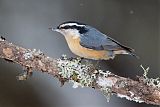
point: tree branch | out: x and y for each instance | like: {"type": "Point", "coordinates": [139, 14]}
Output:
{"type": "Point", "coordinates": [82, 74]}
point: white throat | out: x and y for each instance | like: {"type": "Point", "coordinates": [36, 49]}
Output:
{"type": "Point", "coordinates": [70, 33]}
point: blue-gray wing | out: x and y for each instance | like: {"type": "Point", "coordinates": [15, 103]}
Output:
{"type": "Point", "coordinates": [96, 40]}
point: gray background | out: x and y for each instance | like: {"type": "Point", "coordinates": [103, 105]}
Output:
{"type": "Point", "coordinates": [25, 22]}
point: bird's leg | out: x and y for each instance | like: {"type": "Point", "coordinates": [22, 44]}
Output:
{"type": "Point", "coordinates": [97, 63]}
{"type": "Point", "coordinates": [75, 58]}
{"type": "Point", "coordinates": [95, 66]}
{"type": "Point", "coordinates": [72, 58]}
{"type": "Point", "coordinates": [80, 59]}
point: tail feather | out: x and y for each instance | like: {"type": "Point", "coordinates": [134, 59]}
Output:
{"type": "Point", "coordinates": [124, 49]}
{"type": "Point", "coordinates": [133, 54]}
{"type": "Point", "coordinates": [130, 51]}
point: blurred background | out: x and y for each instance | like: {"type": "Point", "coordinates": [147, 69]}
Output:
{"type": "Point", "coordinates": [134, 23]}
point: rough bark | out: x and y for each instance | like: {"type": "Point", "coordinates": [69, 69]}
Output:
{"type": "Point", "coordinates": [67, 70]}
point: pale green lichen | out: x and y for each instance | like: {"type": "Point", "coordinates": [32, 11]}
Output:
{"type": "Point", "coordinates": [83, 75]}
{"type": "Point", "coordinates": [150, 81]}
{"type": "Point", "coordinates": [145, 71]}
{"type": "Point", "coordinates": [106, 85]}
{"type": "Point", "coordinates": [136, 99]}
{"type": "Point", "coordinates": [75, 71]}
{"type": "Point", "coordinates": [28, 55]}
{"type": "Point", "coordinates": [31, 53]}
{"type": "Point", "coordinates": [107, 92]}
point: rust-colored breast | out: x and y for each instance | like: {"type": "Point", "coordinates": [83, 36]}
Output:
{"type": "Point", "coordinates": [76, 48]}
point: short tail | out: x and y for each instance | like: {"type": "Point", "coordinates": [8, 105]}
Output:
{"type": "Point", "coordinates": [130, 51]}
{"type": "Point", "coordinates": [124, 49]}
{"type": "Point", "coordinates": [133, 54]}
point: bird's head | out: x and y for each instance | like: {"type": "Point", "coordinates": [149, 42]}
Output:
{"type": "Point", "coordinates": [71, 28]}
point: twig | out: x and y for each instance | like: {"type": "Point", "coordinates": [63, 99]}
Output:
{"type": "Point", "coordinates": [80, 74]}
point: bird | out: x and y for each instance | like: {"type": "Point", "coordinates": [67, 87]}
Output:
{"type": "Point", "coordinates": [87, 42]}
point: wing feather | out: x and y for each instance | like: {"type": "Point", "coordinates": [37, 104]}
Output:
{"type": "Point", "coordinates": [96, 40]}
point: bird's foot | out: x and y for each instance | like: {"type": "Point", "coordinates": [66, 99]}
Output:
{"type": "Point", "coordinates": [75, 58]}
{"type": "Point", "coordinates": [95, 67]}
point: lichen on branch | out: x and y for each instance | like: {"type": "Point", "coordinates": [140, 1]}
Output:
{"type": "Point", "coordinates": [82, 74]}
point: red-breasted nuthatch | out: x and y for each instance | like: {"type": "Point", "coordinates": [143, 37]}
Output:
{"type": "Point", "coordinates": [87, 42]}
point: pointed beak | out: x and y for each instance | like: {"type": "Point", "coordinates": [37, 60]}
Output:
{"type": "Point", "coordinates": [54, 29]}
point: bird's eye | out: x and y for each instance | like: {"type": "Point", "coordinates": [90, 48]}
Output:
{"type": "Point", "coordinates": [58, 27]}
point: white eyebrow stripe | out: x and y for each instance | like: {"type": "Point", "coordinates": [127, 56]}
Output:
{"type": "Point", "coordinates": [71, 24]}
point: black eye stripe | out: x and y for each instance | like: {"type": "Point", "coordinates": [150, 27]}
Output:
{"type": "Point", "coordinates": [66, 27]}
{"type": "Point", "coordinates": [71, 27]}
{"type": "Point", "coordinates": [81, 29]}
